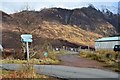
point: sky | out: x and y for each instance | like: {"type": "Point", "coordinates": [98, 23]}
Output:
{"type": "Point", "coordinates": [16, 6]}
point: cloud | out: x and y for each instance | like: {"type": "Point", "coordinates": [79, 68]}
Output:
{"type": "Point", "coordinates": [60, 1]}
{"type": "Point", "coordinates": [11, 7]}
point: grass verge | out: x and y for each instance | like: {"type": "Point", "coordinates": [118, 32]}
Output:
{"type": "Point", "coordinates": [32, 61]}
{"type": "Point", "coordinates": [25, 71]}
{"type": "Point", "coordinates": [109, 58]}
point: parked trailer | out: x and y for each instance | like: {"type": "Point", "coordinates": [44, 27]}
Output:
{"type": "Point", "coordinates": [107, 43]}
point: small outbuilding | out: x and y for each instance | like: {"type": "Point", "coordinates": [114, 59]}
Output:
{"type": "Point", "coordinates": [107, 43]}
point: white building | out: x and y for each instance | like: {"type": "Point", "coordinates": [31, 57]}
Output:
{"type": "Point", "coordinates": [107, 43]}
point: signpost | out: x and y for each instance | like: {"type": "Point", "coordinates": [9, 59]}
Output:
{"type": "Point", "coordinates": [26, 38]}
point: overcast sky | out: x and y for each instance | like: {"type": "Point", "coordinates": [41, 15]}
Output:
{"type": "Point", "coordinates": [15, 5]}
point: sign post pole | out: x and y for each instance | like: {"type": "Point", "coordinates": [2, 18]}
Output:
{"type": "Point", "coordinates": [27, 52]}
{"type": "Point", "coordinates": [26, 38]}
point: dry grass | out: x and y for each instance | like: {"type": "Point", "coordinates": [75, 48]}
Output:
{"type": "Point", "coordinates": [25, 71]}
{"type": "Point", "coordinates": [70, 33]}
{"type": "Point", "coordinates": [38, 58]}
{"type": "Point", "coordinates": [109, 58]}
{"type": "Point", "coordinates": [32, 61]}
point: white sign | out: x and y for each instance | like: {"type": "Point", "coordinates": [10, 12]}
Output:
{"type": "Point", "coordinates": [26, 38]}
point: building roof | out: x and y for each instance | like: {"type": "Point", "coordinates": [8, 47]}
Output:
{"type": "Point", "coordinates": [108, 39]}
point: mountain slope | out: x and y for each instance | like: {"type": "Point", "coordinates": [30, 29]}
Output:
{"type": "Point", "coordinates": [61, 27]}
{"type": "Point", "coordinates": [88, 19]}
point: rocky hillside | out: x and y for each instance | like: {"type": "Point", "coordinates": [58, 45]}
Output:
{"type": "Point", "coordinates": [60, 27]}
{"type": "Point", "coordinates": [113, 19]}
{"type": "Point", "coordinates": [89, 19]}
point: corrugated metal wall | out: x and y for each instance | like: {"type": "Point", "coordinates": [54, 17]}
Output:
{"type": "Point", "coordinates": [119, 40]}
{"type": "Point", "coordinates": [106, 45]}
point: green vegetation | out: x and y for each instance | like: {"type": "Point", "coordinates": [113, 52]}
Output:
{"type": "Point", "coordinates": [109, 58]}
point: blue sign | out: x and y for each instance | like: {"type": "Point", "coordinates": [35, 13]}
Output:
{"type": "Point", "coordinates": [26, 38]}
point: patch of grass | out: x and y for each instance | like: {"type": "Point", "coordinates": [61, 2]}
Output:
{"type": "Point", "coordinates": [91, 55]}
{"type": "Point", "coordinates": [4, 72]}
{"type": "Point", "coordinates": [52, 55]}
{"type": "Point", "coordinates": [101, 55]}
{"type": "Point", "coordinates": [109, 54]}
{"type": "Point", "coordinates": [32, 61]}
{"type": "Point", "coordinates": [113, 66]}
{"type": "Point", "coordinates": [63, 52]}
{"type": "Point", "coordinates": [40, 59]}
{"type": "Point", "coordinates": [110, 58]}
{"type": "Point", "coordinates": [25, 71]}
